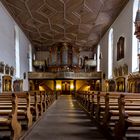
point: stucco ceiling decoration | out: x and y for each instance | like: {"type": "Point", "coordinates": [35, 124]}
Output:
{"type": "Point", "coordinates": [80, 22]}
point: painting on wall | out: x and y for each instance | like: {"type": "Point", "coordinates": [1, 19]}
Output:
{"type": "Point", "coordinates": [11, 71]}
{"type": "Point", "coordinates": [1, 67]}
{"type": "Point", "coordinates": [120, 48]}
{"type": "Point", "coordinates": [7, 69]}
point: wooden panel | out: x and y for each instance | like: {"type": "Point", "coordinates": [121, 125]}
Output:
{"type": "Point", "coordinates": [51, 21]}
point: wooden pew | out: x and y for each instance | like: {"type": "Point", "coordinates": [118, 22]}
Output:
{"type": "Point", "coordinates": [40, 100]}
{"type": "Point", "coordinates": [49, 98]}
{"type": "Point", "coordinates": [10, 117]}
{"type": "Point", "coordinates": [37, 103]}
{"type": "Point", "coordinates": [28, 102]}
{"type": "Point", "coordinates": [112, 112]}
{"type": "Point", "coordinates": [109, 105]}
{"type": "Point", "coordinates": [127, 118]}
{"type": "Point", "coordinates": [92, 104]}
{"type": "Point", "coordinates": [117, 116]}
{"type": "Point", "coordinates": [44, 101]}
{"type": "Point", "coordinates": [99, 102]}
{"type": "Point", "coordinates": [34, 105]}
{"type": "Point", "coordinates": [23, 107]}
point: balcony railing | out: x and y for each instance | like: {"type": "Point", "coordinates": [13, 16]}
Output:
{"type": "Point", "coordinates": [65, 75]}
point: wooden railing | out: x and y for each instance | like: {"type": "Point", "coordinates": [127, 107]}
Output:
{"type": "Point", "coordinates": [65, 75]}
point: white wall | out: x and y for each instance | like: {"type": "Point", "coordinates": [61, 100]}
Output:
{"type": "Point", "coordinates": [7, 42]}
{"type": "Point", "coordinates": [122, 26]}
{"type": "Point", "coordinates": [89, 54]}
{"type": "Point", "coordinates": [24, 51]}
{"type": "Point", "coordinates": [6, 37]}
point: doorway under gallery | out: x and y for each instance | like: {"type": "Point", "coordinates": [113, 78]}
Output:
{"type": "Point", "coordinates": [66, 87]}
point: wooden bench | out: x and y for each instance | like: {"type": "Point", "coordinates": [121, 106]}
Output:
{"type": "Point", "coordinates": [127, 118]}
{"type": "Point", "coordinates": [49, 98]}
{"type": "Point", "coordinates": [40, 101]}
{"type": "Point", "coordinates": [23, 107]}
{"type": "Point", "coordinates": [113, 113]}
{"type": "Point", "coordinates": [28, 105]}
{"type": "Point", "coordinates": [84, 99]}
{"type": "Point", "coordinates": [34, 105]}
{"type": "Point", "coordinates": [9, 118]}
{"type": "Point", "coordinates": [117, 112]}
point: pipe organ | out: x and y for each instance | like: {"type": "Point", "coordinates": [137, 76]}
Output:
{"type": "Point", "coordinates": [63, 54]}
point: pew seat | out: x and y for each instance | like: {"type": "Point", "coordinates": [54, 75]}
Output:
{"type": "Point", "coordinates": [135, 121]}
{"type": "Point", "coordinates": [8, 118]}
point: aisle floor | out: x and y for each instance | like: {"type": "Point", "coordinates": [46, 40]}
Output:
{"type": "Point", "coordinates": [65, 120]}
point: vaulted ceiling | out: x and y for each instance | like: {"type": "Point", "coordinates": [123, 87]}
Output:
{"type": "Point", "coordinates": [80, 22]}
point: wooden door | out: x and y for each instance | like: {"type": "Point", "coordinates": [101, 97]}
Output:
{"type": "Point", "coordinates": [66, 87]}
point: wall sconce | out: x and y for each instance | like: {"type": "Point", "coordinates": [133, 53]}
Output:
{"type": "Point", "coordinates": [71, 87]}
{"type": "Point", "coordinates": [58, 87]}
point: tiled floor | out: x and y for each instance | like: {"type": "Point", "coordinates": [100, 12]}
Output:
{"type": "Point", "coordinates": [65, 120]}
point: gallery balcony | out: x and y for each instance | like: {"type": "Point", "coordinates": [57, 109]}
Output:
{"type": "Point", "coordinates": [65, 75]}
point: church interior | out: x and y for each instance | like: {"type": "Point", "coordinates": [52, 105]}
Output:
{"type": "Point", "coordinates": [67, 58]}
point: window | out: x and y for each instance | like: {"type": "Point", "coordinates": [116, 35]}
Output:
{"type": "Point", "coordinates": [98, 58]}
{"type": "Point", "coordinates": [17, 57]}
{"type": "Point", "coordinates": [135, 43]}
{"type": "Point", "coordinates": [110, 53]}
{"type": "Point", "coordinates": [30, 57]}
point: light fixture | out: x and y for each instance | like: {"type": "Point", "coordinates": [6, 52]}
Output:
{"type": "Point", "coordinates": [72, 86]}
{"type": "Point", "coordinates": [58, 87]}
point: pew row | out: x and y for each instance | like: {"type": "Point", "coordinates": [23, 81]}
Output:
{"type": "Point", "coordinates": [127, 118]}
{"type": "Point", "coordinates": [9, 119]}
{"type": "Point", "coordinates": [110, 112]}
{"type": "Point", "coordinates": [23, 107]}
{"type": "Point", "coordinates": [29, 106]}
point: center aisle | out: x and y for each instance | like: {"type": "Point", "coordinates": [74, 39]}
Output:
{"type": "Point", "coordinates": [65, 120]}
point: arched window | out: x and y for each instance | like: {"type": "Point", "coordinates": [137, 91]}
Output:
{"type": "Point", "coordinates": [135, 43]}
{"type": "Point", "coordinates": [110, 53]}
{"type": "Point", "coordinates": [30, 57]}
{"type": "Point", "coordinates": [98, 58]}
{"type": "Point", "coordinates": [17, 57]}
